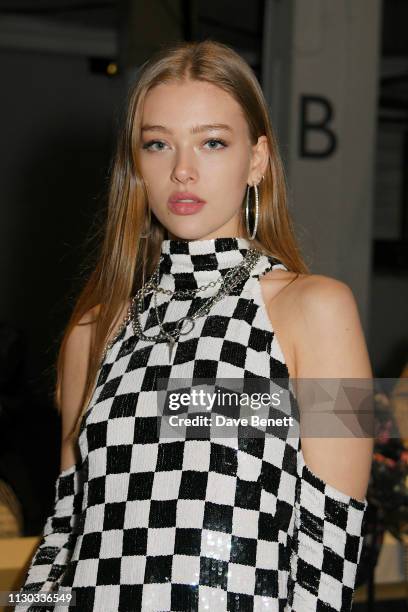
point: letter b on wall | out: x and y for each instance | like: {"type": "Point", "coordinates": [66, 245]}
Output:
{"type": "Point", "coordinates": [317, 138]}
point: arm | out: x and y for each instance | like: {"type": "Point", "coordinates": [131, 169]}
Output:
{"type": "Point", "coordinates": [333, 472]}
{"type": "Point", "coordinates": [59, 535]}
{"type": "Point", "coordinates": [60, 532]}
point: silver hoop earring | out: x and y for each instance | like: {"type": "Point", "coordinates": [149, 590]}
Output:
{"type": "Point", "coordinates": [251, 237]}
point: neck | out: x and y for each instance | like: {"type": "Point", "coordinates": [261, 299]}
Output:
{"type": "Point", "coordinates": [194, 262]}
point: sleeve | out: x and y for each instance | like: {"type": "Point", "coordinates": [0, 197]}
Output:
{"type": "Point", "coordinates": [59, 536]}
{"type": "Point", "coordinates": [325, 548]}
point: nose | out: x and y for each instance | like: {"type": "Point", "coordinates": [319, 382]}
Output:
{"type": "Point", "coordinates": [184, 169]}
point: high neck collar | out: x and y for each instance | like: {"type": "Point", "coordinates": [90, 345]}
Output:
{"type": "Point", "coordinates": [192, 262]}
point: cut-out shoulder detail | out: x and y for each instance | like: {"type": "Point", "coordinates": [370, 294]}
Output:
{"type": "Point", "coordinates": [277, 281]}
{"type": "Point", "coordinates": [277, 298]}
{"type": "Point", "coordinates": [73, 379]}
{"type": "Point", "coordinates": [67, 471]}
{"type": "Point", "coordinates": [332, 491]}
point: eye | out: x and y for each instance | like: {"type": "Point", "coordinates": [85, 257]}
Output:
{"type": "Point", "coordinates": [218, 141]}
{"type": "Point", "coordinates": [149, 145]}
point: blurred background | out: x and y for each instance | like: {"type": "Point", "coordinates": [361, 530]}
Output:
{"type": "Point", "coordinates": [334, 73]}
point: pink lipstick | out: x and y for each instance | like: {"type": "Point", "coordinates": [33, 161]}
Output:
{"type": "Point", "coordinates": [185, 203]}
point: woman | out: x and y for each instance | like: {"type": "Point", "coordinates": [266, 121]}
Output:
{"type": "Point", "coordinates": [144, 522]}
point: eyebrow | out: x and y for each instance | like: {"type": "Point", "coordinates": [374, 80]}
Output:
{"type": "Point", "coordinates": [196, 129]}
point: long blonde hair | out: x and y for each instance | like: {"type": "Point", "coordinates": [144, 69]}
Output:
{"type": "Point", "coordinates": [125, 257]}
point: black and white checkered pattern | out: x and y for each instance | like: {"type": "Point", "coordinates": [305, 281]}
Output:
{"type": "Point", "coordinates": [326, 545]}
{"type": "Point", "coordinates": [59, 535]}
{"type": "Point", "coordinates": [231, 523]}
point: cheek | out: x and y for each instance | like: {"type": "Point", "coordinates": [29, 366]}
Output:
{"type": "Point", "coordinates": [148, 166]}
{"type": "Point", "coordinates": [154, 175]}
{"type": "Point", "coordinates": [231, 167]}
{"type": "Point", "coordinates": [230, 177]}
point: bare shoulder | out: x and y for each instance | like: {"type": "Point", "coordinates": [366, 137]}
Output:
{"type": "Point", "coordinates": [75, 363]}
{"type": "Point", "coordinates": [302, 307]}
{"type": "Point", "coordinates": [279, 289]}
{"type": "Point", "coordinates": [75, 367]}
{"type": "Point", "coordinates": [307, 284]}
{"type": "Point", "coordinates": [78, 344]}
{"type": "Point", "coordinates": [89, 319]}
{"type": "Point", "coordinates": [320, 333]}
{"type": "Point", "coordinates": [330, 344]}
{"type": "Point", "coordinates": [330, 341]}
{"type": "Point", "coordinates": [316, 289]}
{"type": "Point", "coordinates": [325, 305]}
{"type": "Point", "coordinates": [306, 293]}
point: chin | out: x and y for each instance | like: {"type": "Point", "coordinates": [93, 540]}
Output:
{"type": "Point", "coordinates": [190, 235]}
{"type": "Point", "coordinates": [191, 231]}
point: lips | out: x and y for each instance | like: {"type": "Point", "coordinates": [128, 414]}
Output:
{"type": "Point", "coordinates": [185, 202]}
{"type": "Point", "coordinates": [185, 208]}
{"type": "Point", "coordinates": [177, 196]}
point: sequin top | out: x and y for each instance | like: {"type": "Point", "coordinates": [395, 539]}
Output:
{"type": "Point", "coordinates": [146, 522]}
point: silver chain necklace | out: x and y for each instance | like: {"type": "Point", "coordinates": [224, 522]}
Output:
{"type": "Point", "coordinates": [231, 279]}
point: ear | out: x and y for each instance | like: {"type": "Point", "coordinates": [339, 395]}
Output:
{"type": "Point", "coordinates": [259, 161]}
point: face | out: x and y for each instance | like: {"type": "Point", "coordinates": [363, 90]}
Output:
{"type": "Point", "coordinates": [195, 145]}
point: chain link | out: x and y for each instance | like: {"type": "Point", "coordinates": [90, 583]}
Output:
{"type": "Point", "coordinates": [187, 292]}
{"type": "Point", "coordinates": [230, 280]}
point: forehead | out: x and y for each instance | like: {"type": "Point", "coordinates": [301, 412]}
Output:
{"type": "Point", "coordinates": [178, 104]}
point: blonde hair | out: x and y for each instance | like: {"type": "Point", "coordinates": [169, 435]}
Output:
{"type": "Point", "coordinates": [125, 258]}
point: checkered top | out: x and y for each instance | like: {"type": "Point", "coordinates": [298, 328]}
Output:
{"type": "Point", "coordinates": [147, 522]}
